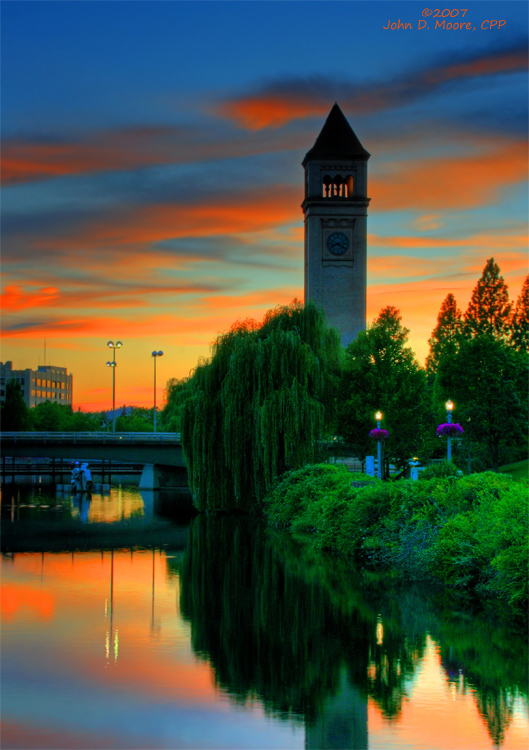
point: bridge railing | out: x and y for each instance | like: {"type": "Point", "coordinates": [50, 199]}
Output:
{"type": "Point", "coordinates": [91, 437]}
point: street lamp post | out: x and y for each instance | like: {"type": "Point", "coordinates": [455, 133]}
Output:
{"type": "Point", "coordinates": [449, 407]}
{"type": "Point", "coordinates": [155, 355]}
{"type": "Point", "coordinates": [112, 364]}
{"type": "Point", "coordinates": [378, 417]}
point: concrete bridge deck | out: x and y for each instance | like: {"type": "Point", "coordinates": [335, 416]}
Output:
{"type": "Point", "coordinates": [160, 452]}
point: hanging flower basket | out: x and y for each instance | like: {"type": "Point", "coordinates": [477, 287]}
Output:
{"type": "Point", "coordinates": [451, 430]}
{"type": "Point", "coordinates": [379, 434]}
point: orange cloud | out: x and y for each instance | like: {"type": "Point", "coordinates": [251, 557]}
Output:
{"type": "Point", "coordinates": [486, 242]}
{"type": "Point", "coordinates": [15, 298]}
{"type": "Point", "coordinates": [257, 112]}
{"type": "Point", "coordinates": [248, 211]}
{"type": "Point", "coordinates": [455, 183]}
{"type": "Point", "coordinates": [123, 150]}
{"type": "Point", "coordinates": [25, 161]}
{"type": "Point", "coordinates": [130, 326]}
{"type": "Point", "coordinates": [279, 103]}
{"type": "Point", "coordinates": [502, 63]}
{"type": "Point", "coordinates": [264, 299]}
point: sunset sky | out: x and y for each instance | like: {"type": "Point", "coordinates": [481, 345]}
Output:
{"type": "Point", "coordinates": [152, 179]}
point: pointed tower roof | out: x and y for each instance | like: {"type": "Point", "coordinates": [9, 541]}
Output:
{"type": "Point", "coordinates": [337, 140]}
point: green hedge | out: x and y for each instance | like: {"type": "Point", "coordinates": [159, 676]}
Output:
{"type": "Point", "coordinates": [468, 532]}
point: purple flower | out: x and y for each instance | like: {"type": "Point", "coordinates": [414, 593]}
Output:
{"type": "Point", "coordinates": [379, 434]}
{"type": "Point", "coordinates": [449, 430]}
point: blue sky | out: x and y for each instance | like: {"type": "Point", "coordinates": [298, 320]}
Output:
{"type": "Point", "coordinates": [152, 175]}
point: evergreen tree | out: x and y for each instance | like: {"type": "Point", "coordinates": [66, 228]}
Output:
{"type": "Point", "coordinates": [520, 320]}
{"type": "Point", "coordinates": [259, 406]}
{"type": "Point", "coordinates": [487, 381]}
{"type": "Point", "coordinates": [447, 334]}
{"type": "Point", "coordinates": [381, 372]}
{"type": "Point", "coordinates": [15, 413]}
{"type": "Point", "coordinates": [489, 310]}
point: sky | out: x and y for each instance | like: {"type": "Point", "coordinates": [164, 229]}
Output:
{"type": "Point", "coordinates": [152, 179]}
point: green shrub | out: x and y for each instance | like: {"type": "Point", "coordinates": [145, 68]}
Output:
{"type": "Point", "coordinates": [441, 470]}
{"type": "Point", "coordinates": [295, 490]}
{"type": "Point", "coordinates": [468, 532]}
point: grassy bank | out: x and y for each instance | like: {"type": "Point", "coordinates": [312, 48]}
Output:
{"type": "Point", "coordinates": [467, 532]}
{"type": "Point", "coordinates": [519, 471]}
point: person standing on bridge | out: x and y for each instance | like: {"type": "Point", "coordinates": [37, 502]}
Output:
{"type": "Point", "coordinates": [87, 476]}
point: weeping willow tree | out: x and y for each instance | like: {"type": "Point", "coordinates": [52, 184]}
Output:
{"type": "Point", "coordinates": [259, 406]}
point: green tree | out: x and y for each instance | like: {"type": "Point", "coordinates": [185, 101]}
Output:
{"type": "Point", "coordinates": [489, 309]}
{"type": "Point", "coordinates": [15, 413]}
{"type": "Point", "coordinates": [520, 320]}
{"type": "Point", "coordinates": [381, 372]}
{"type": "Point", "coordinates": [260, 406]}
{"type": "Point", "coordinates": [135, 419]}
{"type": "Point", "coordinates": [82, 421]}
{"type": "Point", "coordinates": [487, 381]}
{"type": "Point", "coordinates": [176, 393]}
{"type": "Point", "coordinates": [50, 416]}
{"type": "Point", "coordinates": [446, 335]}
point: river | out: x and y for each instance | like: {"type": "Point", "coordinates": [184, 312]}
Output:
{"type": "Point", "coordinates": [129, 624]}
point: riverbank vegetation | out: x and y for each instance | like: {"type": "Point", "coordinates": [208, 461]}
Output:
{"type": "Point", "coordinates": [257, 416]}
{"type": "Point", "coordinates": [288, 625]}
{"type": "Point", "coordinates": [260, 406]}
{"type": "Point", "coordinates": [468, 532]}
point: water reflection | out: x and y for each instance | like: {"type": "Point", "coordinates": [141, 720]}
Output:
{"type": "Point", "coordinates": [231, 636]}
{"type": "Point", "coordinates": [120, 503]}
{"type": "Point", "coordinates": [313, 642]}
{"type": "Point", "coordinates": [36, 519]}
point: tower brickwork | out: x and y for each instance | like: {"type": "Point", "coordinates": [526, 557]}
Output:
{"type": "Point", "coordinates": [335, 209]}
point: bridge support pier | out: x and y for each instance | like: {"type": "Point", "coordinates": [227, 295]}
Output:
{"type": "Point", "coordinates": [157, 477]}
{"type": "Point", "coordinates": [150, 477]}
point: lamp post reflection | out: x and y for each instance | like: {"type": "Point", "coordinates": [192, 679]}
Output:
{"type": "Point", "coordinates": [155, 627]}
{"type": "Point", "coordinates": [109, 612]}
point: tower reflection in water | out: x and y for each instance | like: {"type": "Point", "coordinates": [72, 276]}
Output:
{"type": "Point", "coordinates": [279, 625]}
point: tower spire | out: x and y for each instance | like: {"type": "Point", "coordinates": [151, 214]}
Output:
{"type": "Point", "coordinates": [337, 139]}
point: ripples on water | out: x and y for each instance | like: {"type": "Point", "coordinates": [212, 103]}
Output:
{"type": "Point", "coordinates": [224, 634]}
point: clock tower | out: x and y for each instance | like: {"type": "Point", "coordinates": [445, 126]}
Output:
{"type": "Point", "coordinates": [335, 209]}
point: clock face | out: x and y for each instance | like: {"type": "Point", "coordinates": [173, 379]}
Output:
{"type": "Point", "coordinates": [337, 242]}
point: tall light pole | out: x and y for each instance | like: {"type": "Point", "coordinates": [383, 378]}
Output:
{"type": "Point", "coordinates": [112, 364]}
{"type": "Point", "coordinates": [155, 355]}
{"type": "Point", "coordinates": [378, 417]}
{"type": "Point", "coordinates": [449, 407]}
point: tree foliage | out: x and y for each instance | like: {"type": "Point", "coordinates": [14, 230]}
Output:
{"type": "Point", "coordinates": [176, 392]}
{"type": "Point", "coordinates": [487, 380]}
{"type": "Point", "coordinates": [520, 320]}
{"type": "Point", "coordinates": [446, 335]}
{"type": "Point", "coordinates": [259, 406]}
{"type": "Point", "coordinates": [50, 416]}
{"type": "Point", "coordinates": [483, 368]}
{"type": "Point", "coordinates": [135, 419]}
{"type": "Point", "coordinates": [381, 373]}
{"type": "Point", "coordinates": [15, 413]}
{"type": "Point", "coordinates": [489, 309]}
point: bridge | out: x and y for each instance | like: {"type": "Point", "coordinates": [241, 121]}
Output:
{"type": "Point", "coordinates": [160, 453]}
